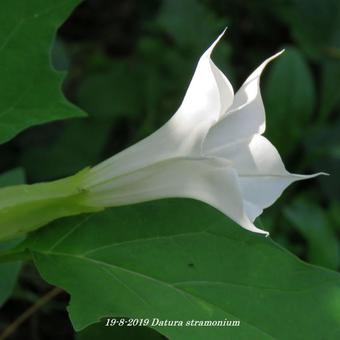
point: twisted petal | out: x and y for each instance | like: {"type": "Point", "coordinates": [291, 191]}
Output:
{"type": "Point", "coordinates": [210, 180]}
{"type": "Point", "coordinates": [261, 172]}
{"type": "Point", "coordinates": [208, 96]}
{"type": "Point", "coordinates": [245, 117]}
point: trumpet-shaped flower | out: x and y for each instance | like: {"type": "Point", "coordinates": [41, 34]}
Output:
{"type": "Point", "coordinates": [212, 150]}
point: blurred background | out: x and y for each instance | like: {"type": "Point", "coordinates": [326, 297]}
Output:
{"type": "Point", "coordinates": [128, 64]}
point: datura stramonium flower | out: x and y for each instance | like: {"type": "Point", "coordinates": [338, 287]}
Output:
{"type": "Point", "coordinates": [212, 150]}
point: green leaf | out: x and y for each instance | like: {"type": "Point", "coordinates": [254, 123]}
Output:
{"type": "Point", "coordinates": [313, 24]}
{"type": "Point", "coordinates": [182, 260]}
{"type": "Point", "coordinates": [30, 91]}
{"type": "Point", "coordinates": [290, 99]}
{"type": "Point", "coordinates": [9, 271]}
{"type": "Point", "coordinates": [312, 222]}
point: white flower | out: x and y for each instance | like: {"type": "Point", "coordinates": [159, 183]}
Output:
{"type": "Point", "coordinates": [212, 150]}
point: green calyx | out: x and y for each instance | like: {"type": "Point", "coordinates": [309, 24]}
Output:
{"type": "Point", "coordinates": [24, 208]}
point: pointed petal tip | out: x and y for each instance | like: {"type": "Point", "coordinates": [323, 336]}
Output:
{"type": "Point", "coordinates": [299, 177]}
{"type": "Point", "coordinates": [256, 230]}
{"type": "Point", "coordinates": [280, 52]}
{"type": "Point", "coordinates": [257, 73]}
{"type": "Point", "coordinates": [216, 41]}
{"type": "Point", "coordinates": [312, 175]}
{"type": "Point", "coordinates": [323, 174]}
{"type": "Point", "coordinates": [263, 232]}
{"type": "Point", "coordinates": [221, 34]}
{"type": "Point", "coordinates": [274, 56]}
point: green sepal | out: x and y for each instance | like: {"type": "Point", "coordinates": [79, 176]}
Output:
{"type": "Point", "coordinates": [24, 208]}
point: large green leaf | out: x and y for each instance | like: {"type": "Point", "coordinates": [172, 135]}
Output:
{"type": "Point", "coordinates": [9, 271]}
{"type": "Point", "coordinates": [29, 87]}
{"type": "Point", "coordinates": [289, 99]}
{"type": "Point", "coordinates": [182, 260]}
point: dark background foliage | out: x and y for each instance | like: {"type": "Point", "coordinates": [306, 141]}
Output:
{"type": "Point", "coordinates": [128, 64]}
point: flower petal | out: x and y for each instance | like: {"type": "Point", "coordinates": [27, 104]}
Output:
{"type": "Point", "coordinates": [208, 95]}
{"type": "Point", "coordinates": [245, 117]}
{"type": "Point", "coordinates": [262, 175]}
{"type": "Point", "coordinates": [210, 180]}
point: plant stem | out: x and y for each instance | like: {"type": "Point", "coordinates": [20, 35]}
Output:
{"type": "Point", "coordinates": [11, 328]}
